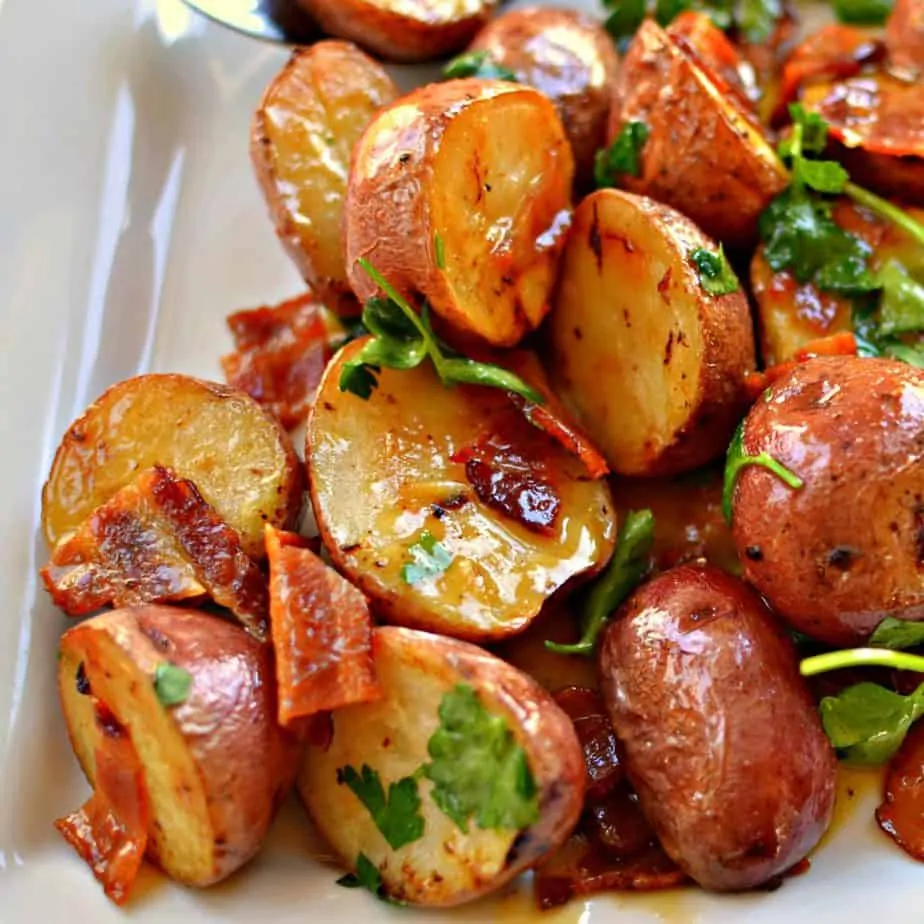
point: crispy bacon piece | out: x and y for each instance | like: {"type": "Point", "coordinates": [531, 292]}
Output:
{"type": "Point", "coordinates": [503, 478]}
{"type": "Point", "coordinates": [280, 355]}
{"type": "Point", "coordinates": [110, 831]}
{"type": "Point", "coordinates": [843, 343]}
{"type": "Point", "coordinates": [901, 814]}
{"type": "Point", "coordinates": [834, 52]}
{"type": "Point", "coordinates": [157, 541]}
{"type": "Point", "coordinates": [322, 633]}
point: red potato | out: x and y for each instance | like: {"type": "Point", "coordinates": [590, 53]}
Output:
{"type": "Point", "coordinates": [403, 30]}
{"type": "Point", "coordinates": [569, 57]}
{"type": "Point", "coordinates": [722, 740]}
{"type": "Point", "coordinates": [840, 554]}
{"type": "Point", "coordinates": [216, 765]}
{"type": "Point", "coordinates": [461, 192]}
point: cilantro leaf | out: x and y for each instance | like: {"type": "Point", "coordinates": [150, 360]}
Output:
{"type": "Point", "coordinates": [866, 723]}
{"type": "Point", "coordinates": [367, 876]}
{"type": "Point", "coordinates": [477, 64]}
{"type": "Point", "coordinates": [737, 459]}
{"type": "Point", "coordinates": [863, 12]}
{"type": "Point", "coordinates": [629, 564]}
{"type": "Point", "coordinates": [403, 339]}
{"type": "Point", "coordinates": [810, 132]}
{"type": "Point", "coordinates": [715, 273]}
{"type": "Point", "coordinates": [901, 308]}
{"type": "Point", "coordinates": [478, 770]}
{"type": "Point", "coordinates": [624, 17]}
{"type": "Point", "coordinates": [622, 156]}
{"type": "Point", "coordinates": [825, 176]}
{"type": "Point", "coordinates": [398, 816]}
{"type": "Point", "coordinates": [897, 634]}
{"type": "Point", "coordinates": [429, 559]}
{"type": "Point", "coordinates": [171, 684]}
{"type": "Point", "coordinates": [756, 19]}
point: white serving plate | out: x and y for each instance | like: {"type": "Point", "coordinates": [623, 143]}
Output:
{"type": "Point", "coordinates": [130, 225]}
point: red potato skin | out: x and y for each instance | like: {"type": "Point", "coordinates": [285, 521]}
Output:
{"type": "Point", "coordinates": [846, 550]}
{"type": "Point", "coordinates": [721, 738]}
{"type": "Point", "coordinates": [570, 58]}
{"type": "Point", "coordinates": [399, 36]}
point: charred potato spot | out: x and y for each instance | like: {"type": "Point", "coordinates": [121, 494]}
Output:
{"type": "Point", "coordinates": [843, 552]}
{"type": "Point", "coordinates": [657, 375]}
{"type": "Point", "coordinates": [379, 468]}
{"type": "Point", "coordinates": [444, 866]}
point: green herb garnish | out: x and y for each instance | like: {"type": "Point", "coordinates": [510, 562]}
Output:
{"type": "Point", "coordinates": [478, 770]}
{"type": "Point", "coordinates": [715, 273]}
{"type": "Point", "coordinates": [171, 684]}
{"type": "Point", "coordinates": [429, 559]}
{"type": "Point", "coordinates": [630, 562]}
{"type": "Point", "coordinates": [623, 156]}
{"type": "Point", "coordinates": [477, 64]}
{"type": "Point", "coordinates": [439, 251]}
{"type": "Point", "coordinates": [756, 19]}
{"type": "Point", "coordinates": [736, 460]}
{"type": "Point", "coordinates": [403, 339]}
{"type": "Point", "coordinates": [897, 634]}
{"type": "Point", "coordinates": [397, 816]}
{"type": "Point", "coordinates": [863, 12]}
{"type": "Point", "coordinates": [367, 876]}
{"type": "Point", "coordinates": [624, 17]}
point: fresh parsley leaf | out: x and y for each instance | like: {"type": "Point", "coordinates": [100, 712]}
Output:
{"type": "Point", "coordinates": [171, 684]}
{"type": "Point", "coordinates": [897, 634]}
{"type": "Point", "coordinates": [824, 176]}
{"type": "Point", "coordinates": [715, 273]}
{"type": "Point", "coordinates": [913, 354]}
{"type": "Point", "coordinates": [624, 17]}
{"type": "Point", "coordinates": [403, 339]}
{"type": "Point", "coordinates": [901, 308]}
{"type": "Point", "coordinates": [477, 64]}
{"type": "Point", "coordinates": [810, 133]}
{"type": "Point", "coordinates": [397, 816]}
{"type": "Point", "coordinates": [622, 156]}
{"type": "Point", "coordinates": [429, 559]}
{"type": "Point", "coordinates": [629, 564]}
{"type": "Point", "coordinates": [666, 11]}
{"type": "Point", "coordinates": [863, 12]}
{"type": "Point", "coordinates": [737, 459]}
{"type": "Point", "coordinates": [757, 19]}
{"type": "Point", "coordinates": [367, 876]}
{"type": "Point", "coordinates": [867, 723]}
{"type": "Point", "coordinates": [478, 770]}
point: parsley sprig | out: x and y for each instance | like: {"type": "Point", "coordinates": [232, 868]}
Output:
{"type": "Point", "coordinates": [396, 815]}
{"type": "Point", "coordinates": [715, 273]}
{"type": "Point", "coordinates": [403, 339]}
{"type": "Point", "coordinates": [477, 64]}
{"type": "Point", "coordinates": [753, 20]}
{"type": "Point", "coordinates": [623, 156]}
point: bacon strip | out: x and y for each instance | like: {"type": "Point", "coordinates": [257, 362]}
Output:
{"type": "Point", "coordinates": [322, 632]}
{"type": "Point", "coordinates": [110, 831]}
{"type": "Point", "coordinates": [843, 343]}
{"type": "Point", "coordinates": [901, 814]}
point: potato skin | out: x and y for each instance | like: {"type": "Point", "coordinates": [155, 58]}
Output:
{"type": "Point", "coordinates": [632, 320]}
{"type": "Point", "coordinates": [705, 155]}
{"type": "Point", "coordinates": [444, 867]}
{"type": "Point", "coordinates": [244, 763]}
{"type": "Point", "coordinates": [428, 167]}
{"type": "Point", "coordinates": [836, 557]}
{"type": "Point", "coordinates": [569, 57]}
{"type": "Point", "coordinates": [302, 136]}
{"type": "Point", "coordinates": [419, 30]}
{"type": "Point", "coordinates": [722, 740]}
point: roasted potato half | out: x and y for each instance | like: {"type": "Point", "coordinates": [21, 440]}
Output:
{"type": "Point", "coordinates": [216, 766]}
{"type": "Point", "coordinates": [705, 154]}
{"type": "Point", "coordinates": [238, 457]}
{"type": "Point", "coordinates": [652, 364]}
{"type": "Point", "coordinates": [302, 138]}
{"type": "Point", "coordinates": [403, 30]}
{"type": "Point", "coordinates": [836, 556]}
{"type": "Point", "coordinates": [569, 57]}
{"type": "Point", "coordinates": [432, 683]}
{"type": "Point", "coordinates": [461, 192]}
{"type": "Point", "coordinates": [447, 508]}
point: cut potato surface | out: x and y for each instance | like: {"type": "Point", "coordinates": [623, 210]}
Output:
{"type": "Point", "coordinates": [387, 493]}
{"type": "Point", "coordinates": [403, 30]}
{"type": "Point", "coordinates": [651, 363]}
{"type": "Point", "coordinates": [461, 192]}
{"type": "Point", "coordinates": [444, 866]}
{"type": "Point", "coordinates": [215, 763]}
{"type": "Point", "coordinates": [705, 154]}
{"type": "Point", "coordinates": [220, 439]}
{"type": "Point", "coordinates": [302, 138]}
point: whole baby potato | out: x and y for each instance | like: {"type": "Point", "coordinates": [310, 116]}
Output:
{"type": "Point", "coordinates": [722, 740]}
{"type": "Point", "coordinates": [838, 555]}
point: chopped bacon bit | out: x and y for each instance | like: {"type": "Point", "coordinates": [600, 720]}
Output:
{"type": "Point", "coordinates": [322, 632]}
{"type": "Point", "coordinates": [843, 343]}
{"type": "Point", "coordinates": [506, 480]}
{"type": "Point", "coordinates": [280, 355]}
{"type": "Point", "coordinates": [901, 814]}
{"type": "Point", "coordinates": [110, 831]}
{"type": "Point", "coordinates": [157, 541]}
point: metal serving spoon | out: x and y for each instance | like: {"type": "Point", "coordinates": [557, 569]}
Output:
{"type": "Point", "coordinates": [273, 20]}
